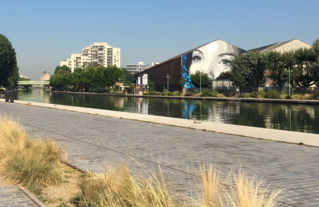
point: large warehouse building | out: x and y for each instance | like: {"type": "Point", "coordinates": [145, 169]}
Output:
{"type": "Point", "coordinates": [282, 47]}
{"type": "Point", "coordinates": [213, 58]}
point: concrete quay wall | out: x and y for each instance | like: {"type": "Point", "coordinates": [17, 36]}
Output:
{"type": "Point", "coordinates": [253, 100]}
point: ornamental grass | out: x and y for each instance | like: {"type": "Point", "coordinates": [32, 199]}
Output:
{"type": "Point", "coordinates": [30, 162]}
{"type": "Point", "coordinates": [117, 187]}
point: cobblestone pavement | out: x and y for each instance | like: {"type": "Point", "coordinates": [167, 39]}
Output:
{"type": "Point", "coordinates": [12, 197]}
{"type": "Point", "coordinates": [91, 141]}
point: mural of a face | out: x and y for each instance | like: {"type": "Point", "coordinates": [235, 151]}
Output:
{"type": "Point", "coordinates": [213, 59]}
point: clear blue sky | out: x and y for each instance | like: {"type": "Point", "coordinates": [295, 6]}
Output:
{"type": "Point", "coordinates": [46, 32]}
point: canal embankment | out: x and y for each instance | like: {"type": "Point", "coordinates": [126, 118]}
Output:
{"type": "Point", "coordinates": [251, 100]}
{"type": "Point", "coordinates": [245, 131]}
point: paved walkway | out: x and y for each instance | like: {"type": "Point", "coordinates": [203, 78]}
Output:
{"type": "Point", "coordinates": [12, 197]}
{"type": "Point", "coordinates": [93, 140]}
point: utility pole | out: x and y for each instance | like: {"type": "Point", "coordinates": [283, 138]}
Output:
{"type": "Point", "coordinates": [168, 81]}
{"type": "Point", "coordinates": [200, 82]}
{"type": "Point", "coordinates": [289, 79]}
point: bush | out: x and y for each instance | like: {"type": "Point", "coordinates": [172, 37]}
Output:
{"type": "Point", "coordinates": [316, 95]}
{"type": "Point", "coordinates": [176, 93]}
{"type": "Point", "coordinates": [274, 94]}
{"type": "Point", "coordinates": [288, 97]}
{"type": "Point", "coordinates": [169, 93]}
{"type": "Point", "coordinates": [261, 93]}
{"type": "Point", "coordinates": [151, 93]}
{"type": "Point", "coordinates": [231, 94]}
{"type": "Point", "coordinates": [308, 97]}
{"type": "Point", "coordinates": [244, 95]}
{"type": "Point", "coordinates": [81, 90]}
{"type": "Point", "coordinates": [254, 95]}
{"type": "Point", "coordinates": [165, 92]}
{"type": "Point", "coordinates": [296, 97]}
{"type": "Point", "coordinates": [208, 93]}
{"type": "Point", "coordinates": [188, 94]}
{"type": "Point", "coordinates": [107, 90]}
{"type": "Point", "coordinates": [99, 89]}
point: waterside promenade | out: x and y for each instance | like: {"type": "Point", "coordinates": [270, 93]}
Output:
{"type": "Point", "coordinates": [95, 137]}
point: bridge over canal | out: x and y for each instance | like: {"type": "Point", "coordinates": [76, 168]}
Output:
{"type": "Point", "coordinates": [33, 83]}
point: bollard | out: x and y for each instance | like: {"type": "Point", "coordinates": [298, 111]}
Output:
{"type": "Point", "coordinates": [12, 97]}
{"type": "Point", "coordinates": [7, 96]}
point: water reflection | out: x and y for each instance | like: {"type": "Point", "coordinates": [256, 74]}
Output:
{"type": "Point", "coordinates": [301, 118]}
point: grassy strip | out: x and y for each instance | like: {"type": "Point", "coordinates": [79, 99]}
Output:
{"type": "Point", "coordinates": [36, 165]}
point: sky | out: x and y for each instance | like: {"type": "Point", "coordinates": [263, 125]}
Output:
{"type": "Point", "coordinates": [44, 33]}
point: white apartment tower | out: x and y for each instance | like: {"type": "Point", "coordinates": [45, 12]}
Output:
{"type": "Point", "coordinates": [100, 53]}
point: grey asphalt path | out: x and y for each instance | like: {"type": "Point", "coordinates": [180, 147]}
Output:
{"type": "Point", "coordinates": [92, 140]}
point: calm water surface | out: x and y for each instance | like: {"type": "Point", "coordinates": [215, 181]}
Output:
{"type": "Point", "coordinates": [303, 118]}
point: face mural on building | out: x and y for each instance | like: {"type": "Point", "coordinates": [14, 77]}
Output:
{"type": "Point", "coordinates": [214, 59]}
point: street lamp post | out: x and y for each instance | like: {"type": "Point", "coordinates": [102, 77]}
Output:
{"type": "Point", "coordinates": [168, 81]}
{"type": "Point", "coordinates": [200, 82]}
{"type": "Point", "coordinates": [119, 83]}
{"type": "Point", "coordinates": [289, 79]}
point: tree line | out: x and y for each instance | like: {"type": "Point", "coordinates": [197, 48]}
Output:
{"type": "Point", "coordinates": [253, 68]}
{"type": "Point", "coordinates": [88, 76]}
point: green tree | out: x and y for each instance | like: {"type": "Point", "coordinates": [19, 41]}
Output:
{"type": "Point", "coordinates": [62, 70]}
{"type": "Point", "coordinates": [315, 48]}
{"type": "Point", "coordinates": [303, 71]}
{"type": "Point", "coordinates": [196, 79]}
{"type": "Point", "coordinates": [112, 74]}
{"type": "Point", "coordinates": [276, 68]}
{"type": "Point", "coordinates": [151, 84]}
{"type": "Point", "coordinates": [56, 80]}
{"type": "Point", "coordinates": [8, 61]}
{"type": "Point", "coordinates": [75, 79]}
{"type": "Point", "coordinates": [78, 70]}
{"type": "Point", "coordinates": [249, 69]}
{"type": "Point", "coordinates": [13, 79]}
{"type": "Point", "coordinates": [289, 62]}
{"type": "Point", "coordinates": [23, 79]}
{"type": "Point", "coordinates": [182, 83]}
{"type": "Point", "coordinates": [128, 78]}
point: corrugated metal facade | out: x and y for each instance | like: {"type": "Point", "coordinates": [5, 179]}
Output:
{"type": "Point", "coordinates": [158, 74]}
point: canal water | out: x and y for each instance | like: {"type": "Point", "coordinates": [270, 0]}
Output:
{"type": "Point", "coordinates": [299, 117]}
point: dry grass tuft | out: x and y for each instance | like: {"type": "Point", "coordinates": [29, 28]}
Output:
{"type": "Point", "coordinates": [23, 160]}
{"type": "Point", "coordinates": [212, 189]}
{"type": "Point", "coordinates": [297, 97]}
{"type": "Point", "coordinates": [249, 192]}
{"type": "Point", "coordinates": [118, 188]}
{"type": "Point", "coordinates": [242, 191]}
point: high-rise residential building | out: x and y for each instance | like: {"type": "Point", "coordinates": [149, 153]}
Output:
{"type": "Point", "coordinates": [100, 53]}
{"type": "Point", "coordinates": [136, 68]}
